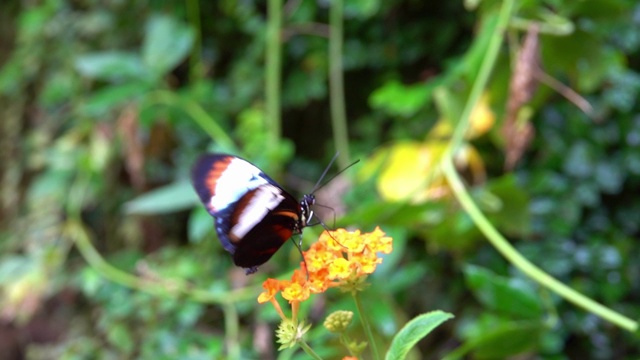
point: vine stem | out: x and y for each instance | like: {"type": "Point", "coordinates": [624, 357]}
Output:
{"type": "Point", "coordinates": [482, 78]}
{"type": "Point", "coordinates": [366, 326]}
{"type": "Point", "coordinates": [170, 288]}
{"type": "Point", "coordinates": [495, 238]}
{"type": "Point", "coordinates": [173, 288]}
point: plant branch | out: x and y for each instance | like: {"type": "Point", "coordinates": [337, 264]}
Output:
{"type": "Point", "coordinates": [366, 326]}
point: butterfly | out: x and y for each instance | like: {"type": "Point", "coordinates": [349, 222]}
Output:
{"type": "Point", "coordinates": [254, 216]}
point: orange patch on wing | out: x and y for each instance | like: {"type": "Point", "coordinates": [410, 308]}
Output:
{"type": "Point", "coordinates": [290, 214]}
{"type": "Point", "coordinates": [215, 173]}
{"type": "Point", "coordinates": [283, 232]}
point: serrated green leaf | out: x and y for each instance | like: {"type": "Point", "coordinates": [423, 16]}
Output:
{"type": "Point", "coordinates": [167, 199]}
{"type": "Point", "coordinates": [413, 331]}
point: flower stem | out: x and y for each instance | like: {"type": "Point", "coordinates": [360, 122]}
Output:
{"type": "Point", "coordinates": [308, 350]}
{"type": "Point", "coordinates": [365, 325]}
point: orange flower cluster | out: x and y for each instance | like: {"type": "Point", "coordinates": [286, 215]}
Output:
{"type": "Point", "coordinates": [338, 257]}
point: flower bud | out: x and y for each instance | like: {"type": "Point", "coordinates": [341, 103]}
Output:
{"type": "Point", "coordinates": [338, 321]}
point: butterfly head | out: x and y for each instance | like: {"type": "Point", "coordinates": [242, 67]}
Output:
{"type": "Point", "coordinates": [305, 208]}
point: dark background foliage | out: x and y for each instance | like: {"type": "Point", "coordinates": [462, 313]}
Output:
{"type": "Point", "coordinates": [104, 105]}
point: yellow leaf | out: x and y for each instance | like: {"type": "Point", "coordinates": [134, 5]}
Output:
{"type": "Point", "coordinates": [411, 172]}
{"type": "Point", "coordinates": [482, 118]}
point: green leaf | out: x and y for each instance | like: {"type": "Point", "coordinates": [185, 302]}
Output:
{"type": "Point", "coordinates": [513, 297]}
{"type": "Point", "coordinates": [166, 44]}
{"type": "Point", "coordinates": [120, 337]}
{"type": "Point", "coordinates": [494, 337]}
{"type": "Point", "coordinates": [199, 224]}
{"type": "Point", "coordinates": [399, 99]}
{"type": "Point", "coordinates": [170, 198]}
{"type": "Point", "coordinates": [511, 212]}
{"type": "Point", "coordinates": [361, 8]}
{"type": "Point", "coordinates": [413, 331]}
{"type": "Point", "coordinates": [113, 97]}
{"type": "Point", "coordinates": [111, 66]}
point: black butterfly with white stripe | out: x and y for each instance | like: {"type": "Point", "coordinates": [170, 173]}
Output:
{"type": "Point", "coordinates": [253, 215]}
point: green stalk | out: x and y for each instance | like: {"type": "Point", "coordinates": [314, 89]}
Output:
{"type": "Point", "coordinates": [174, 288]}
{"type": "Point", "coordinates": [273, 72]}
{"type": "Point", "coordinates": [481, 80]}
{"type": "Point", "coordinates": [231, 332]}
{"type": "Point", "coordinates": [303, 344]}
{"type": "Point", "coordinates": [495, 238]}
{"type": "Point", "coordinates": [171, 289]}
{"type": "Point", "coordinates": [365, 325]}
{"type": "Point", "coordinates": [336, 83]}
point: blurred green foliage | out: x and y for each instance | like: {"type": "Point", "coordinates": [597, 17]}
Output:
{"type": "Point", "coordinates": [104, 106]}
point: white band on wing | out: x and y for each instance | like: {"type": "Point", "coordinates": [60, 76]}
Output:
{"type": "Point", "coordinates": [265, 199]}
{"type": "Point", "coordinates": [238, 178]}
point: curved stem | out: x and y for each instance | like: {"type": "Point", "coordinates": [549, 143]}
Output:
{"type": "Point", "coordinates": [520, 262]}
{"type": "Point", "coordinates": [480, 82]}
{"type": "Point", "coordinates": [366, 326]}
{"type": "Point", "coordinates": [173, 289]}
{"type": "Point", "coordinates": [494, 237]}
{"type": "Point", "coordinates": [336, 83]}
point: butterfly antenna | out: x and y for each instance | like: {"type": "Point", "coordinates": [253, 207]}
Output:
{"type": "Point", "coordinates": [318, 186]}
{"type": "Point", "coordinates": [324, 173]}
